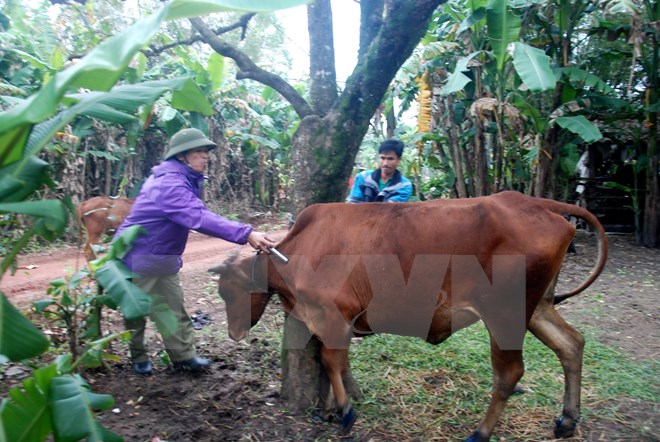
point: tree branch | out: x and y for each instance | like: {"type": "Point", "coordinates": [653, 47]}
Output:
{"type": "Point", "coordinates": [248, 69]}
{"type": "Point", "coordinates": [371, 20]}
{"type": "Point", "coordinates": [241, 23]}
{"type": "Point", "coordinates": [401, 26]}
{"type": "Point", "coordinates": [322, 70]}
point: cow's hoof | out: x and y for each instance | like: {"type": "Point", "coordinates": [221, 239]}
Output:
{"type": "Point", "coordinates": [564, 427]}
{"type": "Point", "coordinates": [348, 418]}
{"type": "Point", "coordinates": [477, 437]}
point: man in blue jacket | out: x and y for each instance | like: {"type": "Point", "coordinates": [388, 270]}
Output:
{"type": "Point", "coordinates": [168, 207]}
{"type": "Point", "coordinates": [385, 184]}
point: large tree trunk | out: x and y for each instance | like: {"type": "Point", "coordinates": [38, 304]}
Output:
{"type": "Point", "coordinates": [325, 145]}
{"type": "Point", "coordinates": [305, 384]}
{"type": "Point", "coordinates": [322, 154]}
{"type": "Point", "coordinates": [327, 140]}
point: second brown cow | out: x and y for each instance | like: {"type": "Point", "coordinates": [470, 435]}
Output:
{"type": "Point", "coordinates": [100, 215]}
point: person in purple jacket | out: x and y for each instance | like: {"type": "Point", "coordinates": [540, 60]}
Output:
{"type": "Point", "coordinates": [168, 207]}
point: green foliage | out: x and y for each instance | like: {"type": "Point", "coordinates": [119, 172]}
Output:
{"type": "Point", "coordinates": [79, 307]}
{"type": "Point", "coordinates": [55, 401]}
{"type": "Point", "coordinates": [458, 80]}
{"type": "Point", "coordinates": [19, 338]}
{"type": "Point", "coordinates": [512, 53]}
{"type": "Point", "coordinates": [216, 68]}
{"type": "Point", "coordinates": [25, 416]}
{"type": "Point", "coordinates": [586, 79]}
{"type": "Point", "coordinates": [72, 404]}
{"type": "Point", "coordinates": [101, 68]}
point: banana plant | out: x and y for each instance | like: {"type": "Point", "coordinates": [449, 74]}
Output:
{"type": "Point", "coordinates": [535, 75]}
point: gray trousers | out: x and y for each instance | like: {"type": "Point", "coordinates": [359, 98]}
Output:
{"type": "Point", "coordinates": [168, 314]}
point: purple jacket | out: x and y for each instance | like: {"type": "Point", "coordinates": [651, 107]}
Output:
{"type": "Point", "coordinates": [168, 207]}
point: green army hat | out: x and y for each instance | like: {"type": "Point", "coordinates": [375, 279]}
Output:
{"type": "Point", "coordinates": [187, 139]}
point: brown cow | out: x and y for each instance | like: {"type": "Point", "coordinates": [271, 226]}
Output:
{"type": "Point", "coordinates": [424, 269]}
{"type": "Point", "coordinates": [100, 215]}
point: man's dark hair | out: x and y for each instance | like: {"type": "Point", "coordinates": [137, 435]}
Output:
{"type": "Point", "coordinates": [395, 146]}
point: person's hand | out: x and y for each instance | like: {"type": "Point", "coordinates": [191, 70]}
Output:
{"type": "Point", "coordinates": [260, 241]}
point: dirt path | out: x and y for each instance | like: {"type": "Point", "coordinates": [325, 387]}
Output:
{"type": "Point", "coordinates": [36, 271]}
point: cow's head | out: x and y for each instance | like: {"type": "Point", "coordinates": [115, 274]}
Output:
{"type": "Point", "coordinates": [243, 286]}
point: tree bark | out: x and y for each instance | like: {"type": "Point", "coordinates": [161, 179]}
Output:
{"type": "Point", "coordinates": [321, 57]}
{"type": "Point", "coordinates": [305, 385]}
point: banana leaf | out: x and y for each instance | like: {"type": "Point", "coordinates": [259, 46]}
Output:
{"type": "Point", "coordinates": [457, 80]}
{"type": "Point", "coordinates": [72, 406]}
{"type": "Point", "coordinates": [25, 415]}
{"type": "Point", "coordinates": [579, 125]}
{"type": "Point", "coordinates": [533, 67]}
{"type": "Point", "coordinates": [503, 29]}
{"type": "Point", "coordinates": [19, 338]}
{"type": "Point", "coordinates": [115, 278]}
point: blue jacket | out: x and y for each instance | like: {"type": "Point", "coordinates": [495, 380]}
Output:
{"type": "Point", "coordinates": [168, 207]}
{"type": "Point", "coordinates": [366, 189]}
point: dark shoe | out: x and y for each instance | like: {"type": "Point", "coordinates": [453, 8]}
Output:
{"type": "Point", "coordinates": [194, 364]}
{"type": "Point", "coordinates": [143, 368]}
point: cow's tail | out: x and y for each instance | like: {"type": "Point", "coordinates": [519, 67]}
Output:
{"type": "Point", "coordinates": [590, 218]}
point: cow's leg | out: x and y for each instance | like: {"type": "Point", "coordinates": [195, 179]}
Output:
{"type": "Point", "coordinates": [335, 362]}
{"type": "Point", "coordinates": [508, 368]}
{"type": "Point", "coordinates": [568, 345]}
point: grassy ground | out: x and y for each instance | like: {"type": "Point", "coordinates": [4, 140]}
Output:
{"type": "Point", "coordinates": [408, 383]}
